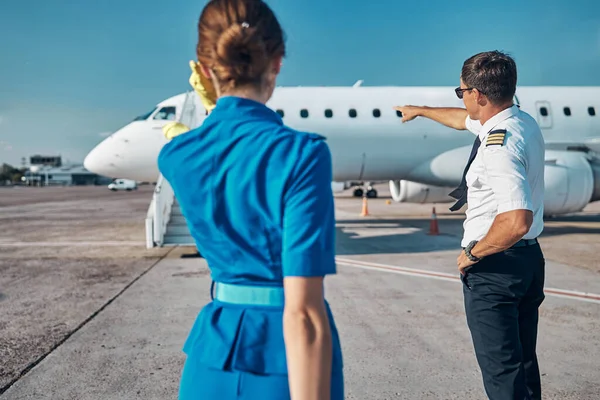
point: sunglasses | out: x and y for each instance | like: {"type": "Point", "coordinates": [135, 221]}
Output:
{"type": "Point", "coordinates": [459, 91]}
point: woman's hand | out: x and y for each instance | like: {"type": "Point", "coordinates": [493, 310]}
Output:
{"type": "Point", "coordinates": [203, 86]}
{"type": "Point", "coordinates": [173, 129]}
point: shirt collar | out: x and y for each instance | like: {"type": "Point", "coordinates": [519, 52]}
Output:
{"type": "Point", "coordinates": [240, 107]}
{"type": "Point", "coordinates": [496, 119]}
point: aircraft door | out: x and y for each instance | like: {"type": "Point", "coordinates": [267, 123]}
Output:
{"type": "Point", "coordinates": [544, 114]}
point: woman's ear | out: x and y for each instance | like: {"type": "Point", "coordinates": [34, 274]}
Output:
{"type": "Point", "coordinates": [276, 65]}
{"type": "Point", "coordinates": [205, 70]}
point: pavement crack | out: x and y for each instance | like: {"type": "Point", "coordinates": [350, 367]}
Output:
{"type": "Point", "coordinates": [33, 364]}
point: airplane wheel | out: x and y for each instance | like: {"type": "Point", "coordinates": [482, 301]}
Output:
{"type": "Point", "coordinates": [358, 192]}
{"type": "Point", "coordinates": [372, 193]}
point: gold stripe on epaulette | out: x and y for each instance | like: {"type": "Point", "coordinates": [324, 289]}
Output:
{"type": "Point", "coordinates": [495, 139]}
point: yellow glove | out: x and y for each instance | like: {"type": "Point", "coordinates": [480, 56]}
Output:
{"type": "Point", "coordinates": [203, 86]}
{"type": "Point", "coordinates": [173, 129]}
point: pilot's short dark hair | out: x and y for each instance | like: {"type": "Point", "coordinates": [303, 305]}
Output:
{"type": "Point", "coordinates": [493, 73]}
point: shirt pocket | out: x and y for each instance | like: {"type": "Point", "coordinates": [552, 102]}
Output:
{"type": "Point", "coordinates": [472, 178]}
{"type": "Point", "coordinates": [475, 174]}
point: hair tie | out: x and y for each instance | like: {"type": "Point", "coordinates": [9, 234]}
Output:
{"type": "Point", "coordinates": [245, 25]}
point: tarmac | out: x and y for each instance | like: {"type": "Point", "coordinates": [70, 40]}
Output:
{"type": "Point", "coordinates": [87, 312]}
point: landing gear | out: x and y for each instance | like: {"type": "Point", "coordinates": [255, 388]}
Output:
{"type": "Point", "coordinates": [360, 192]}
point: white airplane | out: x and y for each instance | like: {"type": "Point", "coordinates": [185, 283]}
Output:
{"type": "Point", "coordinates": [422, 160]}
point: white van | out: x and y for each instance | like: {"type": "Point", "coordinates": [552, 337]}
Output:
{"type": "Point", "coordinates": [122, 184]}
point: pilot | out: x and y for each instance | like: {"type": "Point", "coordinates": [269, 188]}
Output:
{"type": "Point", "coordinates": [257, 198]}
{"type": "Point", "coordinates": [501, 265]}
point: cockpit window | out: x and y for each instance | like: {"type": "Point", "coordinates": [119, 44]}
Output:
{"type": "Point", "coordinates": [145, 116]}
{"type": "Point", "coordinates": [166, 113]}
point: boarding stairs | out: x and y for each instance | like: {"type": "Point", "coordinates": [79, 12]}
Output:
{"type": "Point", "coordinates": [177, 232]}
{"type": "Point", "coordinates": [165, 224]}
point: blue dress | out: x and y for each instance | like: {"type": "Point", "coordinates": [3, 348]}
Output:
{"type": "Point", "coordinates": [257, 199]}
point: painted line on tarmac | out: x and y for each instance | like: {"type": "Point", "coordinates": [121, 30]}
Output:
{"type": "Point", "coordinates": [70, 244]}
{"type": "Point", "coordinates": [397, 270]}
{"type": "Point", "coordinates": [562, 293]}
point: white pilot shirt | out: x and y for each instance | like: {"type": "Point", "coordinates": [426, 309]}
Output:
{"type": "Point", "coordinates": [507, 173]}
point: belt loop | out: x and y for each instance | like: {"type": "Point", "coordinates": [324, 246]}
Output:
{"type": "Point", "coordinates": [212, 288]}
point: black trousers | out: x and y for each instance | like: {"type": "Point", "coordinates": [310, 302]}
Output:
{"type": "Point", "coordinates": [502, 294]}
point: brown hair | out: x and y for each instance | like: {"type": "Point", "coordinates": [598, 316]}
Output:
{"type": "Point", "coordinates": [237, 39]}
{"type": "Point", "coordinates": [493, 73]}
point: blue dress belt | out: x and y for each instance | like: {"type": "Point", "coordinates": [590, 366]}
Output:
{"type": "Point", "coordinates": [250, 295]}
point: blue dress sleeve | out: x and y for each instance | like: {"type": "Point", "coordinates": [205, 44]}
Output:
{"type": "Point", "coordinates": [309, 215]}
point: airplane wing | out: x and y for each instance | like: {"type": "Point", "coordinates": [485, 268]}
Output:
{"type": "Point", "coordinates": [586, 145]}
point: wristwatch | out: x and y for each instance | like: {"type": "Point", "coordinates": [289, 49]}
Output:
{"type": "Point", "coordinates": [468, 251]}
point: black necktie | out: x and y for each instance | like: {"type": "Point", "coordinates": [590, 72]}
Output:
{"type": "Point", "coordinates": [460, 193]}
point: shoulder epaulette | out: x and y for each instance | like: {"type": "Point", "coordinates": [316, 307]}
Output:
{"type": "Point", "coordinates": [496, 138]}
{"type": "Point", "coordinates": [316, 136]}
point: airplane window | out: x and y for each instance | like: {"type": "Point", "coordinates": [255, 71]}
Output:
{"type": "Point", "coordinates": [280, 112]}
{"type": "Point", "coordinates": [145, 116]}
{"type": "Point", "coordinates": [544, 111]}
{"type": "Point", "coordinates": [567, 111]}
{"type": "Point", "coordinates": [328, 113]}
{"type": "Point", "coordinates": [399, 113]}
{"type": "Point", "coordinates": [591, 111]}
{"type": "Point", "coordinates": [166, 113]}
{"type": "Point", "coordinates": [304, 113]}
{"type": "Point", "coordinates": [376, 113]}
{"type": "Point", "coordinates": [352, 113]}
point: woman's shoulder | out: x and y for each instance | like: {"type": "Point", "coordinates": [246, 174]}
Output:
{"type": "Point", "coordinates": [304, 138]}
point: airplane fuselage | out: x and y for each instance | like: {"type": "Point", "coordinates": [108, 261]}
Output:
{"type": "Point", "coordinates": [369, 142]}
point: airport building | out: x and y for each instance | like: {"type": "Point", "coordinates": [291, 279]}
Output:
{"type": "Point", "coordinates": [51, 161]}
{"type": "Point", "coordinates": [49, 170]}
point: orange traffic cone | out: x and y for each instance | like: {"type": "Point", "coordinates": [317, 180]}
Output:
{"type": "Point", "coordinates": [365, 207]}
{"type": "Point", "coordinates": [433, 225]}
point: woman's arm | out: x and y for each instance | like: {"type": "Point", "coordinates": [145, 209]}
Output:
{"type": "Point", "coordinates": [308, 255]}
{"type": "Point", "coordinates": [307, 339]}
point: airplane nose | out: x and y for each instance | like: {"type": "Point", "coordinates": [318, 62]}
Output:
{"type": "Point", "coordinates": [97, 161]}
{"type": "Point", "coordinates": [91, 161]}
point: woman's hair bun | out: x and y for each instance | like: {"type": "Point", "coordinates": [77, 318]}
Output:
{"type": "Point", "coordinates": [238, 39]}
{"type": "Point", "coordinates": [241, 55]}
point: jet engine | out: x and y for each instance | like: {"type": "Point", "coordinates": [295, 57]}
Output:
{"type": "Point", "coordinates": [571, 182]}
{"type": "Point", "coordinates": [413, 192]}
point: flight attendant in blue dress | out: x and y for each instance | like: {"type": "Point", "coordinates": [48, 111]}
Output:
{"type": "Point", "coordinates": [257, 198]}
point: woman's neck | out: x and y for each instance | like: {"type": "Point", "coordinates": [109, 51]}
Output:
{"type": "Point", "coordinates": [250, 93]}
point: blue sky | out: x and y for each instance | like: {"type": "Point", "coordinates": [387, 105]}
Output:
{"type": "Point", "coordinates": [73, 70]}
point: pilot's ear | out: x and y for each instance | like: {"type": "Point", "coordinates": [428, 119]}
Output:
{"type": "Point", "coordinates": [479, 97]}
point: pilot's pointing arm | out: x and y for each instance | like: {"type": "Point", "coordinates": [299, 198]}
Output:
{"type": "Point", "coordinates": [449, 116]}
